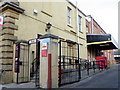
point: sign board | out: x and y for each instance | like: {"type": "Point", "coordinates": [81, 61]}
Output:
{"type": "Point", "coordinates": [17, 56]}
{"type": "Point", "coordinates": [44, 53]}
{"type": "Point", "coordinates": [1, 21]}
{"type": "Point", "coordinates": [44, 46]}
{"type": "Point", "coordinates": [41, 40]}
{"type": "Point", "coordinates": [44, 50]}
{"type": "Point", "coordinates": [16, 66]}
{"type": "Point", "coordinates": [32, 41]}
{"type": "Point", "coordinates": [45, 40]}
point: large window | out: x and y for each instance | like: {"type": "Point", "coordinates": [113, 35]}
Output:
{"type": "Point", "coordinates": [79, 23]}
{"type": "Point", "coordinates": [69, 15]}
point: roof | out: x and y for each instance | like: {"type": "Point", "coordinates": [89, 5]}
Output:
{"type": "Point", "coordinates": [76, 7]}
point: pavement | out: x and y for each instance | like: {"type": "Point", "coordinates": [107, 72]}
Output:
{"type": "Point", "coordinates": [21, 85]}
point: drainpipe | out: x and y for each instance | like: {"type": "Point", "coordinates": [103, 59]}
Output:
{"type": "Point", "coordinates": [90, 19]}
{"type": "Point", "coordinates": [92, 25]}
{"type": "Point", "coordinates": [77, 23]}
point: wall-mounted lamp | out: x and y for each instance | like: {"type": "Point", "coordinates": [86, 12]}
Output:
{"type": "Point", "coordinates": [48, 26]}
{"type": "Point", "coordinates": [35, 11]}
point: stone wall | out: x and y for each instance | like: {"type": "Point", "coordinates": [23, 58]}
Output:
{"type": "Point", "coordinates": [7, 39]}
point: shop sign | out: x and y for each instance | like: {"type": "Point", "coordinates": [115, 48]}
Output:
{"type": "Point", "coordinates": [44, 46]}
{"type": "Point", "coordinates": [32, 41]}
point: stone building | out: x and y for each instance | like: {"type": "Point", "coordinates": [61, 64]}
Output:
{"type": "Point", "coordinates": [26, 21]}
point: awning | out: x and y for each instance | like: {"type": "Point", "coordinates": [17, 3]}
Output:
{"type": "Point", "coordinates": [101, 41]}
{"type": "Point", "coordinates": [116, 52]}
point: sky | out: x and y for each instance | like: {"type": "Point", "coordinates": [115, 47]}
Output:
{"type": "Point", "coordinates": [105, 12]}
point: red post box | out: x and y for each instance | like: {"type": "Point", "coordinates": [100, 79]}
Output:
{"type": "Point", "coordinates": [101, 61]}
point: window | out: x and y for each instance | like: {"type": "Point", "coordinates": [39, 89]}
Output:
{"type": "Point", "coordinates": [79, 23]}
{"type": "Point", "coordinates": [93, 26]}
{"type": "Point", "coordinates": [69, 15]}
{"type": "Point", "coordinates": [86, 29]}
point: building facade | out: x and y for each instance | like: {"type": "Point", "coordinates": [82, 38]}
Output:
{"type": "Point", "coordinates": [95, 33]}
{"type": "Point", "coordinates": [26, 21]}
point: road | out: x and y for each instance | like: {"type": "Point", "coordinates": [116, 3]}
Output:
{"type": "Point", "coordinates": [106, 79]}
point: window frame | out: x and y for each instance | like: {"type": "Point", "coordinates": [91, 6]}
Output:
{"type": "Point", "coordinates": [79, 23]}
{"type": "Point", "coordinates": [69, 15]}
{"type": "Point", "coordinates": [87, 29]}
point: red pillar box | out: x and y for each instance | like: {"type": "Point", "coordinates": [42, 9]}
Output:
{"type": "Point", "coordinates": [103, 62]}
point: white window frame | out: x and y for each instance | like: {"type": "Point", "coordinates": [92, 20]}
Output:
{"type": "Point", "coordinates": [79, 23]}
{"type": "Point", "coordinates": [69, 15]}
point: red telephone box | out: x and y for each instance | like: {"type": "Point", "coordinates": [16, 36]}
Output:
{"type": "Point", "coordinates": [101, 61]}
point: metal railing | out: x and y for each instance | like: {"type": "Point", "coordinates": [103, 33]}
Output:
{"type": "Point", "coordinates": [92, 67]}
{"type": "Point", "coordinates": [72, 68]}
{"type": "Point", "coordinates": [75, 71]}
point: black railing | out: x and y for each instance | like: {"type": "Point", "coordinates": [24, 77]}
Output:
{"type": "Point", "coordinates": [73, 72]}
{"type": "Point", "coordinates": [71, 67]}
{"type": "Point", "coordinates": [69, 71]}
{"type": "Point", "coordinates": [92, 67]}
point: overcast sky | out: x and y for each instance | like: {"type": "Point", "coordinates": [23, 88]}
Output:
{"type": "Point", "coordinates": [105, 12]}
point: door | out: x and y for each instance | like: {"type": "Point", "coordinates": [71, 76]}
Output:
{"type": "Point", "coordinates": [22, 62]}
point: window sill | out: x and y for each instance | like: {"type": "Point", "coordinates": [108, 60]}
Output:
{"type": "Point", "coordinates": [69, 26]}
{"type": "Point", "coordinates": [73, 32]}
{"type": "Point", "coordinates": [81, 32]}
